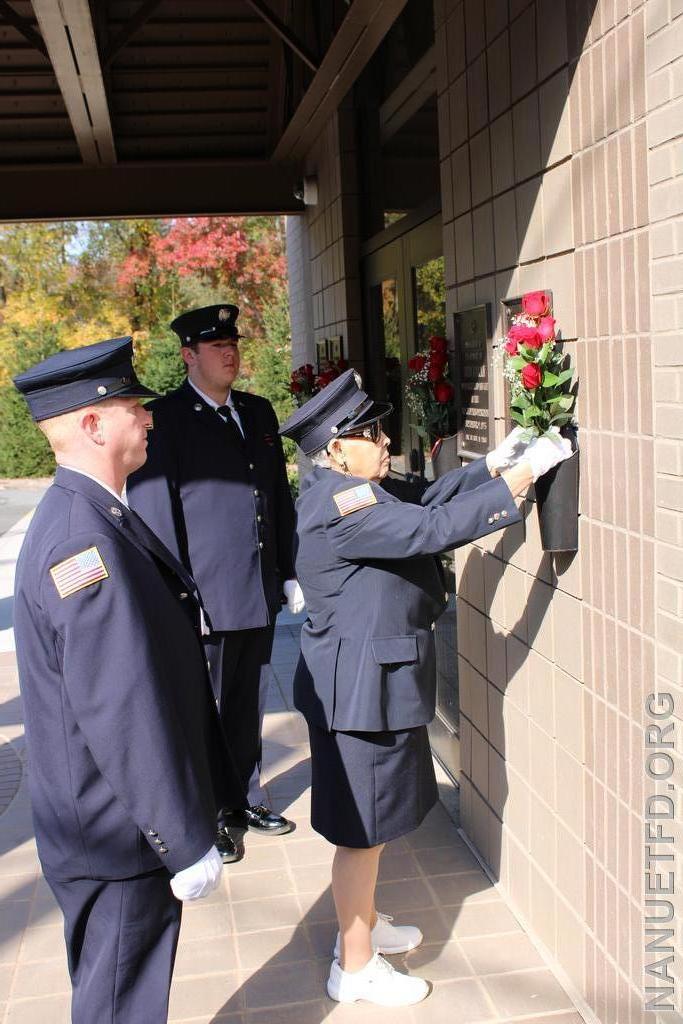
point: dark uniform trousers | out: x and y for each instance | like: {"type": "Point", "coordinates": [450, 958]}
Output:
{"type": "Point", "coordinates": [221, 503]}
{"type": "Point", "coordinates": [121, 938]}
{"type": "Point", "coordinates": [234, 658]}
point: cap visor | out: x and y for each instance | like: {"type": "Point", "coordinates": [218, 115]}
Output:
{"type": "Point", "coordinates": [377, 411]}
{"type": "Point", "coordinates": [136, 391]}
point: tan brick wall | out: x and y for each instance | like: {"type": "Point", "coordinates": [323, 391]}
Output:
{"type": "Point", "coordinates": [664, 98]}
{"type": "Point", "coordinates": [545, 178]}
{"type": "Point", "coordinates": [323, 249]}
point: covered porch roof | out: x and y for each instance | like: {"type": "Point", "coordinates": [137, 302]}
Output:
{"type": "Point", "coordinates": [115, 108]}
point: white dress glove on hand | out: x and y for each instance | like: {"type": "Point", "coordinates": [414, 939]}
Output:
{"type": "Point", "coordinates": [510, 451]}
{"type": "Point", "coordinates": [294, 595]}
{"type": "Point", "coordinates": [200, 878]}
{"type": "Point", "coordinates": [546, 451]}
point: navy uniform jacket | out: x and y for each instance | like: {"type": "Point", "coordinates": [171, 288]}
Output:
{"type": "Point", "coordinates": [223, 507]}
{"type": "Point", "coordinates": [127, 760]}
{"type": "Point", "coordinates": [373, 589]}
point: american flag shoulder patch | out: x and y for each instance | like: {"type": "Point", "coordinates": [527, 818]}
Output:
{"type": "Point", "coordinates": [354, 499]}
{"type": "Point", "coordinates": [79, 571]}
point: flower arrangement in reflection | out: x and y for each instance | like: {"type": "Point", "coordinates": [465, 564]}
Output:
{"type": "Point", "coordinates": [430, 393]}
{"type": "Point", "coordinates": [304, 382]}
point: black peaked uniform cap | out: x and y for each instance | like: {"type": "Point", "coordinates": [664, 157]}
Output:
{"type": "Point", "coordinates": [82, 376]}
{"type": "Point", "coordinates": [340, 408]}
{"type": "Point", "coordinates": [209, 323]}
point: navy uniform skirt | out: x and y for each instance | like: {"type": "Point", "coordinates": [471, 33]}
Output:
{"type": "Point", "coordinates": [370, 787]}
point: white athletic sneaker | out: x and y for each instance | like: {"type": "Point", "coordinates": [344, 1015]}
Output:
{"type": "Point", "coordinates": [378, 982]}
{"type": "Point", "coordinates": [388, 938]}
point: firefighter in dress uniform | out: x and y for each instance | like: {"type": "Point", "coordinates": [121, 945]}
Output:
{"type": "Point", "coordinates": [366, 679]}
{"type": "Point", "coordinates": [214, 488]}
{"type": "Point", "coordinates": [127, 759]}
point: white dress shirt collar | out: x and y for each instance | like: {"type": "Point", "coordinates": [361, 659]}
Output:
{"type": "Point", "coordinates": [119, 497]}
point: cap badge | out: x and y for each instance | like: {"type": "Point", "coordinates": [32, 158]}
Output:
{"type": "Point", "coordinates": [101, 390]}
{"type": "Point", "coordinates": [223, 315]}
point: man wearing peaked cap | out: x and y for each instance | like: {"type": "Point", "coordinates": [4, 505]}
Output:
{"type": "Point", "coordinates": [366, 678]}
{"type": "Point", "coordinates": [128, 762]}
{"type": "Point", "coordinates": [215, 489]}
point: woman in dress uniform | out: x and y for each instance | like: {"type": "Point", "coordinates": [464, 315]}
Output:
{"type": "Point", "coordinates": [366, 680]}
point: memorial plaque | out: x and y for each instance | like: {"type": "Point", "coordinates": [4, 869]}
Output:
{"type": "Point", "coordinates": [334, 348]}
{"type": "Point", "coordinates": [321, 355]}
{"type": "Point", "coordinates": [472, 340]}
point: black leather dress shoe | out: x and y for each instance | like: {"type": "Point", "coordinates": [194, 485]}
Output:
{"type": "Point", "coordinates": [226, 846]}
{"type": "Point", "coordinates": [261, 819]}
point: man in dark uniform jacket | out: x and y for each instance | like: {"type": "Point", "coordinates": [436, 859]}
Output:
{"type": "Point", "coordinates": [215, 489]}
{"type": "Point", "coordinates": [127, 757]}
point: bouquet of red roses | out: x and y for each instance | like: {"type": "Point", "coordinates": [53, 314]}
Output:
{"type": "Point", "coordinates": [304, 382]}
{"type": "Point", "coordinates": [539, 386]}
{"type": "Point", "coordinates": [430, 393]}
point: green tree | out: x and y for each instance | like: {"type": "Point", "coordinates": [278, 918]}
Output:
{"type": "Point", "coordinates": [271, 363]}
{"type": "Point", "coordinates": [24, 450]}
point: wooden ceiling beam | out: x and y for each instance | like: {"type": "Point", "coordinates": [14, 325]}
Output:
{"type": "Point", "coordinates": [8, 14]}
{"type": "Point", "coordinates": [284, 32]}
{"type": "Point", "coordinates": [69, 35]}
{"type": "Point", "coordinates": [142, 15]}
{"type": "Point", "coordinates": [358, 37]}
{"type": "Point", "coordinates": [147, 189]}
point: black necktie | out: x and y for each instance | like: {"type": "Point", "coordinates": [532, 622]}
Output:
{"type": "Point", "coordinates": [225, 412]}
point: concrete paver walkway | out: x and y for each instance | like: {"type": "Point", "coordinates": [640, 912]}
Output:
{"type": "Point", "coordinates": [258, 950]}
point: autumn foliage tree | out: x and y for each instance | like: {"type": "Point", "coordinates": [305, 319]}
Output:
{"type": "Point", "coordinates": [70, 284]}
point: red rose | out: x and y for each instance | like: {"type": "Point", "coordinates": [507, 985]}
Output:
{"type": "Point", "coordinates": [438, 344]}
{"type": "Point", "coordinates": [511, 347]}
{"type": "Point", "coordinates": [443, 392]}
{"type": "Point", "coordinates": [535, 303]}
{"type": "Point", "coordinates": [417, 363]}
{"type": "Point", "coordinates": [524, 335]}
{"type": "Point", "coordinates": [532, 375]}
{"type": "Point", "coordinates": [546, 328]}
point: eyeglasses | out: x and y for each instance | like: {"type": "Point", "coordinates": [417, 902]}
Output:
{"type": "Point", "coordinates": [373, 432]}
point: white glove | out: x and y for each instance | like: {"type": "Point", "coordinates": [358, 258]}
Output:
{"type": "Point", "coordinates": [546, 451]}
{"type": "Point", "coordinates": [294, 595]}
{"type": "Point", "coordinates": [510, 451]}
{"type": "Point", "coordinates": [199, 879]}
